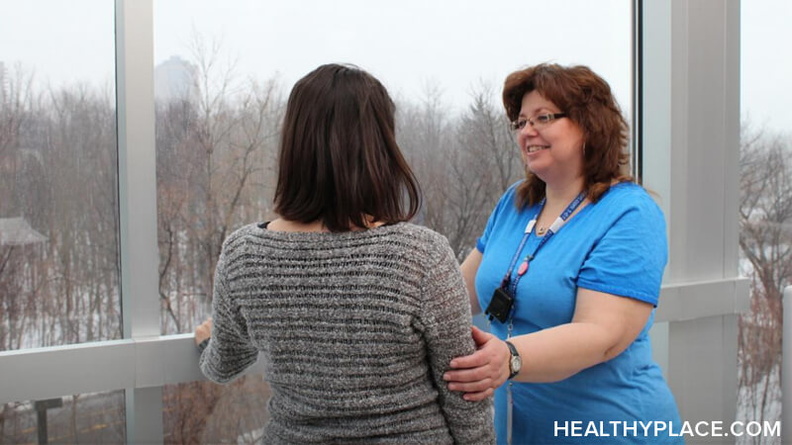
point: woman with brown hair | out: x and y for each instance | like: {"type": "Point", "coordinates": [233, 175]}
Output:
{"type": "Point", "coordinates": [356, 312]}
{"type": "Point", "coordinates": [568, 269]}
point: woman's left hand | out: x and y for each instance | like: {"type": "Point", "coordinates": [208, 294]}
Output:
{"type": "Point", "coordinates": [203, 331]}
{"type": "Point", "coordinates": [478, 374]}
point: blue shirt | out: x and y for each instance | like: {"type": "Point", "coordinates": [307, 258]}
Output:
{"type": "Point", "coordinates": [617, 246]}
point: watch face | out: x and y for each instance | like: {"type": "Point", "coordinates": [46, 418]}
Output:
{"type": "Point", "coordinates": [516, 363]}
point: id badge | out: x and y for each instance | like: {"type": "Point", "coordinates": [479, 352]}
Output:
{"type": "Point", "coordinates": [500, 305]}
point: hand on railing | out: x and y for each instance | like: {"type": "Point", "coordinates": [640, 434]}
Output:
{"type": "Point", "coordinates": [203, 331]}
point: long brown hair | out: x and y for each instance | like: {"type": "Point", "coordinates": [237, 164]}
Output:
{"type": "Point", "coordinates": [587, 100]}
{"type": "Point", "coordinates": [339, 162]}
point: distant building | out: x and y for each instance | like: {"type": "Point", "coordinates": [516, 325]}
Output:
{"type": "Point", "coordinates": [175, 79]}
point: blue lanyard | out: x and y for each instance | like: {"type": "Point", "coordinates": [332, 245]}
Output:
{"type": "Point", "coordinates": [554, 228]}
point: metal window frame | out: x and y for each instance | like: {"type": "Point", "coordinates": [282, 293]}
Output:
{"type": "Point", "coordinates": [144, 361]}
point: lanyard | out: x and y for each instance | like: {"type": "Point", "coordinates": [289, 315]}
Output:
{"type": "Point", "coordinates": [554, 228]}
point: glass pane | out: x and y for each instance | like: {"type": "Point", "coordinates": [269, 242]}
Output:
{"type": "Point", "coordinates": [222, 71]}
{"type": "Point", "coordinates": [82, 418]}
{"type": "Point", "coordinates": [203, 412]}
{"type": "Point", "coordinates": [765, 203]}
{"type": "Point", "coordinates": [58, 181]}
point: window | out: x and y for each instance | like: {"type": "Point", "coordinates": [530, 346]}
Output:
{"type": "Point", "coordinates": [765, 197]}
{"type": "Point", "coordinates": [223, 71]}
{"type": "Point", "coordinates": [59, 278]}
{"type": "Point", "coordinates": [203, 412]}
{"type": "Point", "coordinates": [80, 418]}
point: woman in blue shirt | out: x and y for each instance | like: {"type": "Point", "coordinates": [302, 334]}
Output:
{"type": "Point", "coordinates": [568, 269]}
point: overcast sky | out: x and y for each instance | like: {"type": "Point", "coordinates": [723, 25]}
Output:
{"type": "Point", "coordinates": [410, 45]}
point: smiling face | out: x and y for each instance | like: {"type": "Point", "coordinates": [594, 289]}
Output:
{"type": "Point", "coordinates": [553, 151]}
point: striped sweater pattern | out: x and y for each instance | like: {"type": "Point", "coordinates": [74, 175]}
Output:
{"type": "Point", "coordinates": [355, 330]}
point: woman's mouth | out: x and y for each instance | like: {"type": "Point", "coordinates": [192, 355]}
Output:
{"type": "Point", "coordinates": [535, 148]}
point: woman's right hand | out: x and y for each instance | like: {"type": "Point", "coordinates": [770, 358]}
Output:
{"type": "Point", "coordinates": [478, 374]}
{"type": "Point", "coordinates": [203, 331]}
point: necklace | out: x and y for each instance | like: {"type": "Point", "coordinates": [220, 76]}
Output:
{"type": "Point", "coordinates": [541, 231]}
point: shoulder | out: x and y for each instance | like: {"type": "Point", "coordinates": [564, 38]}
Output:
{"type": "Point", "coordinates": [417, 246]}
{"type": "Point", "coordinates": [419, 238]}
{"type": "Point", "coordinates": [508, 200]}
{"type": "Point", "coordinates": [630, 197]}
{"type": "Point", "coordinates": [628, 213]}
{"type": "Point", "coordinates": [241, 236]}
{"type": "Point", "coordinates": [510, 194]}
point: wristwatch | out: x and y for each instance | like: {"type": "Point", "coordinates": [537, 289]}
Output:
{"type": "Point", "coordinates": [515, 362]}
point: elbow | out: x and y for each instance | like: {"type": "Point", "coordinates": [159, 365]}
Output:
{"type": "Point", "coordinates": [607, 343]}
{"type": "Point", "coordinates": [225, 370]}
{"type": "Point", "coordinates": [610, 353]}
{"type": "Point", "coordinates": [221, 376]}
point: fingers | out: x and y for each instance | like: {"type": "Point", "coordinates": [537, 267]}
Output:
{"type": "Point", "coordinates": [472, 386]}
{"type": "Point", "coordinates": [474, 383]}
{"type": "Point", "coordinates": [478, 374]}
{"type": "Point", "coordinates": [491, 373]}
{"type": "Point", "coordinates": [475, 360]}
{"type": "Point", "coordinates": [480, 337]}
{"type": "Point", "coordinates": [203, 331]}
{"type": "Point", "coordinates": [476, 396]}
{"type": "Point", "coordinates": [488, 348]}
{"type": "Point", "coordinates": [483, 373]}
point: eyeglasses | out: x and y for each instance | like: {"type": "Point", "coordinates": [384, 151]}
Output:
{"type": "Point", "coordinates": [537, 122]}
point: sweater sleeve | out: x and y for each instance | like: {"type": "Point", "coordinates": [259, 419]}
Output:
{"type": "Point", "coordinates": [446, 323]}
{"type": "Point", "coordinates": [229, 351]}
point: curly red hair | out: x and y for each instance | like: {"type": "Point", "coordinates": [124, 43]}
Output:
{"type": "Point", "coordinates": [588, 101]}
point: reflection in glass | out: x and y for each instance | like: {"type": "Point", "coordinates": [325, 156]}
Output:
{"type": "Point", "coordinates": [82, 418]}
{"type": "Point", "coordinates": [58, 193]}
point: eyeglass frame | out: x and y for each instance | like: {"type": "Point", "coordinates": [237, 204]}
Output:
{"type": "Point", "coordinates": [542, 119]}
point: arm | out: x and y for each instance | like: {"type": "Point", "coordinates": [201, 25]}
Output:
{"type": "Point", "coordinates": [229, 351]}
{"type": "Point", "coordinates": [603, 326]}
{"type": "Point", "coordinates": [469, 268]}
{"type": "Point", "coordinates": [445, 324]}
{"type": "Point", "coordinates": [618, 285]}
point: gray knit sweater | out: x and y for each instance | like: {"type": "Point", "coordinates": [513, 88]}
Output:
{"type": "Point", "coordinates": [356, 330]}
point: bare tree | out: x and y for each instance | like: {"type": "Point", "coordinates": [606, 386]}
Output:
{"type": "Point", "coordinates": [214, 163]}
{"type": "Point", "coordinates": [15, 109]}
{"type": "Point", "coordinates": [484, 162]}
{"type": "Point", "coordinates": [463, 163]}
{"type": "Point", "coordinates": [766, 245]}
